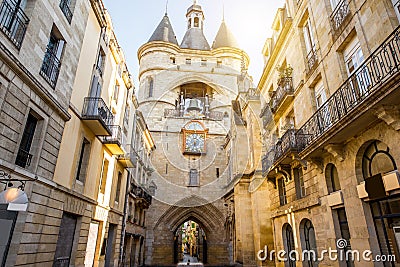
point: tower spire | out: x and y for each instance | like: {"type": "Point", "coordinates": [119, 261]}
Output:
{"type": "Point", "coordinates": [166, 8]}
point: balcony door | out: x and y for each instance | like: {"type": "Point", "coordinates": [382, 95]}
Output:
{"type": "Point", "coordinates": [359, 78]}
{"type": "Point", "coordinates": [7, 223]}
{"type": "Point", "coordinates": [324, 118]}
{"type": "Point", "coordinates": [10, 15]}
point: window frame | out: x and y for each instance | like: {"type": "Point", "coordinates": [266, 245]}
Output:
{"type": "Point", "coordinates": [282, 192]}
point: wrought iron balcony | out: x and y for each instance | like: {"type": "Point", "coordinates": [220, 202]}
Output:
{"type": "Point", "coordinates": [97, 116]}
{"type": "Point", "coordinates": [380, 67]}
{"type": "Point", "coordinates": [114, 141]}
{"type": "Point", "coordinates": [283, 94]}
{"type": "Point", "coordinates": [100, 70]}
{"type": "Point", "coordinates": [252, 94]}
{"type": "Point", "coordinates": [312, 60]}
{"type": "Point", "coordinates": [64, 5]}
{"type": "Point", "coordinates": [128, 159]}
{"type": "Point", "coordinates": [23, 158]}
{"type": "Point", "coordinates": [139, 192]}
{"type": "Point", "coordinates": [287, 144]}
{"type": "Point", "coordinates": [266, 116]}
{"type": "Point", "coordinates": [50, 67]}
{"type": "Point", "coordinates": [213, 115]}
{"type": "Point", "coordinates": [13, 22]}
{"type": "Point", "coordinates": [266, 164]}
{"type": "Point", "coordinates": [339, 15]}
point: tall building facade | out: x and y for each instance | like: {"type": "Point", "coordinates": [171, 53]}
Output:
{"type": "Point", "coordinates": [330, 131]}
{"type": "Point", "coordinates": [187, 94]}
{"type": "Point", "coordinates": [40, 47]}
{"type": "Point", "coordinates": [75, 149]}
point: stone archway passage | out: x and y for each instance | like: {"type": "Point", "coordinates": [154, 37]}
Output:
{"type": "Point", "coordinates": [167, 242]}
{"type": "Point", "coordinates": [190, 243]}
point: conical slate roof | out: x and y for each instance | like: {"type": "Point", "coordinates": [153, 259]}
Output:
{"type": "Point", "coordinates": [164, 32]}
{"type": "Point", "coordinates": [224, 38]}
{"type": "Point", "coordinates": [195, 39]}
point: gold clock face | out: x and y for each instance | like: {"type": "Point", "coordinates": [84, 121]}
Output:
{"type": "Point", "coordinates": [194, 143]}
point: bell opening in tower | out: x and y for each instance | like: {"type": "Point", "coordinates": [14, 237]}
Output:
{"type": "Point", "coordinates": [194, 99]}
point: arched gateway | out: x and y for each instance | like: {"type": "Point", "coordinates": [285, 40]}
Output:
{"type": "Point", "coordinates": [166, 244]}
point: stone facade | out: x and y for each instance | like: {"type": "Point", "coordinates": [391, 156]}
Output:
{"type": "Point", "coordinates": [25, 91]}
{"type": "Point", "coordinates": [323, 114]}
{"type": "Point", "coordinates": [186, 86]}
{"type": "Point", "coordinates": [70, 126]}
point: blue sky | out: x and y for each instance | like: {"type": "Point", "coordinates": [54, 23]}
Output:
{"type": "Point", "coordinates": [249, 20]}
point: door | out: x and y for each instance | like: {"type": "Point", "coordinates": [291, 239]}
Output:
{"type": "Point", "coordinates": [91, 244]}
{"type": "Point", "coordinates": [7, 223]}
{"type": "Point", "coordinates": [110, 246]}
{"type": "Point", "coordinates": [65, 240]}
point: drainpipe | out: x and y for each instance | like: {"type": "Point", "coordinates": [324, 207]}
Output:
{"type": "Point", "coordinates": [127, 188]}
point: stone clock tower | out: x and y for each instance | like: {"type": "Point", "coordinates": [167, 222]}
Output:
{"type": "Point", "coordinates": [186, 93]}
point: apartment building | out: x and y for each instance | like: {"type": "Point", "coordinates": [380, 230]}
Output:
{"type": "Point", "coordinates": [330, 130]}
{"type": "Point", "coordinates": [40, 47]}
{"type": "Point", "coordinates": [77, 149]}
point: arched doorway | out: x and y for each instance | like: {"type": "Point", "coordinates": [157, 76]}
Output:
{"type": "Point", "coordinates": [165, 247]}
{"type": "Point", "coordinates": [190, 243]}
{"type": "Point", "coordinates": [288, 241]}
{"type": "Point", "coordinates": [308, 243]}
{"type": "Point", "coordinates": [378, 162]}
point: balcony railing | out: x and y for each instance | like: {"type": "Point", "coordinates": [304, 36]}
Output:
{"type": "Point", "coordinates": [95, 109]}
{"type": "Point", "coordinates": [50, 67]}
{"type": "Point", "coordinates": [340, 13]}
{"type": "Point", "coordinates": [381, 66]}
{"type": "Point", "coordinates": [139, 192]}
{"type": "Point", "coordinates": [128, 159]}
{"type": "Point", "coordinates": [266, 164]}
{"type": "Point", "coordinates": [13, 22]}
{"type": "Point", "coordinates": [285, 88]}
{"type": "Point", "coordinates": [287, 143]}
{"type": "Point", "coordinates": [100, 70]}
{"type": "Point", "coordinates": [252, 94]}
{"type": "Point", "coordinates": [115, 137]}
{"type": "Point", "coordinates": [312, 60]}
{"type": "Point", "coordinates": [23, 158]}
{"type": "Point", "coordinates": [114, 141]}
{"type": "Point", "coordinates": [266, 116]}
{"type": "Point", "coordinates": [213, 115]}
{"type": "Point", "coordinates": [66, 10]}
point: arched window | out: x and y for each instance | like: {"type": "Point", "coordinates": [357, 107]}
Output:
{"type": "Point", "coordinates": [308, 243]}
{"type": "Point", "coordinates": [151, 87]}
{"type": "Point", "coordinates": [332, 178]}
{"type": "Point", "coordinates": [377, 159]}
{"type": "Point", "coordinates": [288, 241]}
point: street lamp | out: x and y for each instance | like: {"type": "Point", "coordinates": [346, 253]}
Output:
{"type": "Point", "coordinates": [14, 197]}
